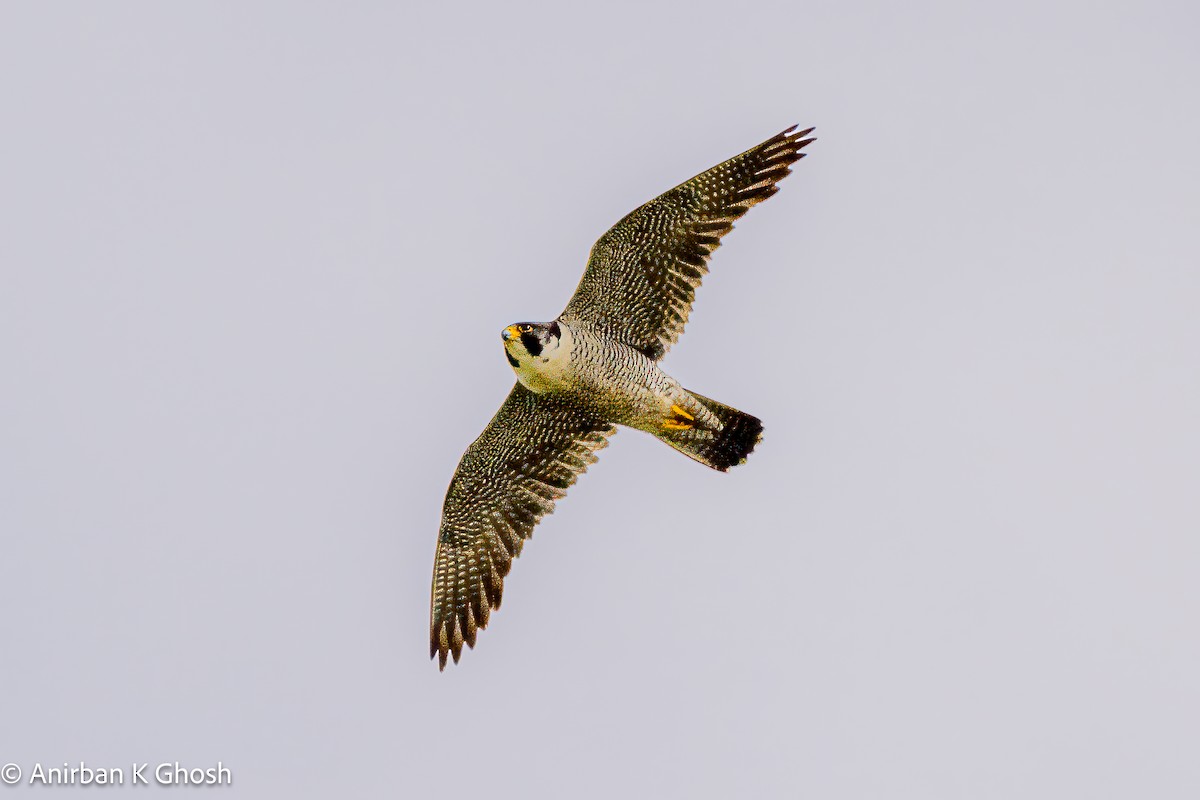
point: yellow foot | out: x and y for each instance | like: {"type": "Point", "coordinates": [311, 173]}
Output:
{"type": "Point", "coordinates": [680, 421]}
{"type": "Point", "coordinates": [682, 412]}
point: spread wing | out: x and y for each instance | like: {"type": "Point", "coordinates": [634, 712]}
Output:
{"type": "Point", "coordinates": [643, 273]}
{"type": "Point", "coordinates": [509, 478]}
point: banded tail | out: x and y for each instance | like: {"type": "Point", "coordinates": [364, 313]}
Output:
{"type": "Point", "coordinates": [720, 450]}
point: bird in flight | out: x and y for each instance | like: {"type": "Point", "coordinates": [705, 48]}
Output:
{"type": "Point", "coordinates": [589, 370]}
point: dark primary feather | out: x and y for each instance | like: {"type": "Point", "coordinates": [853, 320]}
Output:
{"type": "Point", "coordinates": [643, 273]}
{"type": "Point", "coordinates": [509, 478]}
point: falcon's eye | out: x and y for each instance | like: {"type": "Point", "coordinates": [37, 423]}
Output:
{"type": "Point", "coordinates": [526, 329]}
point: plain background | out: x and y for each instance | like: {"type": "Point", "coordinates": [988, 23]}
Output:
{"type": "Point", "coordinates": [256, 258]}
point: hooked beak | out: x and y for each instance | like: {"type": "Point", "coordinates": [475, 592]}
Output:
{"type": "Point", "coordinates": [510, 333]}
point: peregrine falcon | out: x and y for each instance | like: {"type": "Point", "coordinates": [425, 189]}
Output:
{"type": "Point", "coordinates": [593, 368]}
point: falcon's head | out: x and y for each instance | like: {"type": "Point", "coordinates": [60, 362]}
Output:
{"type": "Point", "coordinates": [530, 343]}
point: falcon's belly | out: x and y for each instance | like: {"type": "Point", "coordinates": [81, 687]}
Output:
{"type": "Point", "coordinates": [619, 383]}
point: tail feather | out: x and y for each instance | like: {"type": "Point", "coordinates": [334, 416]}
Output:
{"type": "Point", "coordinates": [722, 449]}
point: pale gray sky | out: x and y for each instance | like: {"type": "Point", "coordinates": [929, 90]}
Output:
{"type": "Point", "coordinates": [255, 262]}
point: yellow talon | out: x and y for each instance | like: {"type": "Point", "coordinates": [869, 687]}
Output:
{"type": "Point", "coordinates": [681, 421]}
{"type": "Point", "coordinates": [679, 412]}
